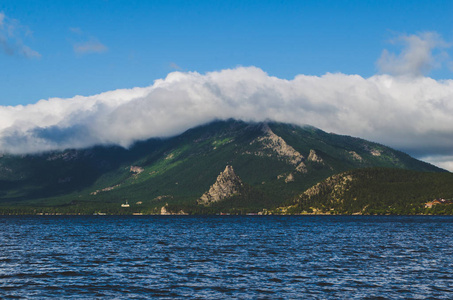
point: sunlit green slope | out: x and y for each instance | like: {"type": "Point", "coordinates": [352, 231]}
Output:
{"type": "Point", "coordinates": [275, 161]}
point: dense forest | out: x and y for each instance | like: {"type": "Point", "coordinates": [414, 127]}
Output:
{"type": "Point", "coordinates": [378, 191]}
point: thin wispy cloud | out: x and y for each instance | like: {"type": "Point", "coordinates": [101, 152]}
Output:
{"type": "Point", "coordinates": [409, 113]}
{"type": "Point", "coordinates": [174, 66]}
{"type": "Point", "coordinates": [91, 46]}
{"type": "Point", "coordinates": [86, 44]}
{"type": "Point", "coordinates": [76, 30]}
{"type": "Point", "coordinates": [12, 34]}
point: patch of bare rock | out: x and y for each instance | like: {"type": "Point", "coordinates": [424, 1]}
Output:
{"type": "Point", "coordinates": [227, 185]}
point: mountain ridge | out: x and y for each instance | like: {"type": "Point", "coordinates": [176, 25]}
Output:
{"type": "Point", "coordinates": [275, 161]}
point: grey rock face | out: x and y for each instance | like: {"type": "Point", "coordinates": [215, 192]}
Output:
{"type": "Point", "coordinates": [227, 184]}
{"type": "Point", "coordinates": [284, 151]}
{"type": "Point", "coordinates": [315, 157]}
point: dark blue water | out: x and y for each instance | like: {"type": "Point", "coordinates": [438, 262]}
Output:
{"type": "Point", "coordinates": [299, 257]}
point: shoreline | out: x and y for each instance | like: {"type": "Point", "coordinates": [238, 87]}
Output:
{"type": "Point", "coordinates": [216, 215]}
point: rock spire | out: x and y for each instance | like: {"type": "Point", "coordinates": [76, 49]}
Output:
{"type": "Point", "coordinates": [227, 184]}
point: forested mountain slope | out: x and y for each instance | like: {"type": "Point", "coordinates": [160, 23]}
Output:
{"type": "Point", "coordinates": [275, 163]}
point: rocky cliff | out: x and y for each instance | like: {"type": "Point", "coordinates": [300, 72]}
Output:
{"type": "Point", "coordinates": [281, 149]}
{"type": "Point", "coordinates": [227, 184]}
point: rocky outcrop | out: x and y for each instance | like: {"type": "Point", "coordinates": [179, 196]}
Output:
{"type": "Point", "coordinates": [356, 156]}
{"type": "Point", "coordinates": [335, 185]}
{"type": "Point", "coordinates": [136, 169]}
{"type": "Point", "coordinates": [315, 157]}
{"type": "Point", "coordinates": [289, 178]}
{"type": "Point", "coordinates": [164, 211]}
{"type": "Point", "coordinates": [284, 151]}
{"type": "Point", "coordinates": [301, 167]}
{"type": "Point", "coordinates": [373, 151]}
{"type": "Point", "coordinates": [227, 184]}
{"type": "Point", "coordinates": [376, 152]}
{"type": "Point", "coordinates": [274, 142]}
{"type": "Point", "coordinates": [107, 189]}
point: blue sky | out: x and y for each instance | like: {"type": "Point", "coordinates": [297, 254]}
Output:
{"type": "Point", "coordinates": [132, 43]}
{"type": "Point", "coordinates": [79, 73]}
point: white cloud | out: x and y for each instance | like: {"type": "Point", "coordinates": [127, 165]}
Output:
{"type": "Point", "coordinates": [11, 35]}
{"type": "Point", "coordinates": [417, 57]}
{"type": "Point", "coordinates": [410, 113]}
{"type": "Point", "coordinates": [442, 161]}
{"type": "Point", "coordinates": [407, 114]}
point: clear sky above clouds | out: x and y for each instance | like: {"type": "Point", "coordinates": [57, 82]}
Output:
{"type": "Point", "coordinates": [380, 70]}
{"type": "Point", "coordinates": [87, 47]}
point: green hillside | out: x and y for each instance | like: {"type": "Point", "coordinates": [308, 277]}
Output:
{"type": "Point", "coordinates": [377, 191]}
{"type": "Point", "coordinates": [276, 162]}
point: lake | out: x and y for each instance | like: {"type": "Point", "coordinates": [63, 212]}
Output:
{"type": "Point", "coordinates": [226, 257]}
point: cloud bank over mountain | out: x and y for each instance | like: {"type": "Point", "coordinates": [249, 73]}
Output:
{"type": "Point", "coordinates": [405, 110]}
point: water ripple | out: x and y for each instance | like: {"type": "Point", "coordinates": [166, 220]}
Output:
{"type": "Point", "coordinates": [226, 257]}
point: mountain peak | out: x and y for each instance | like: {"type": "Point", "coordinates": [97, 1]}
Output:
{"type": "Point", "coordinates": [227, 185]}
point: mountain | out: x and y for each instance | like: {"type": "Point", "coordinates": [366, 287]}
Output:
{"type": "Point", "coordinates": [267, 165]}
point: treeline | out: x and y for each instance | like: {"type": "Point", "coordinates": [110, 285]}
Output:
{"type": "Point", "coordinates": [364, 191]}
